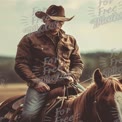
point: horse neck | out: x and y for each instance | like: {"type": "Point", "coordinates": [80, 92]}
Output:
{"type": "Point", "coordinates": [79, 104]}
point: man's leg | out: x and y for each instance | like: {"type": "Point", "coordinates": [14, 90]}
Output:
{"type": "Point", "coordinates": [34, 101]}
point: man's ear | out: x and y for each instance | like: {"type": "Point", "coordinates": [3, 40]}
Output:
{"type": "Point", "coordinates": [98, 78]}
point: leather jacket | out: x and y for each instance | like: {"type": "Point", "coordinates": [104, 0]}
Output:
{"type": "Point", "coordinates": [39, 55]}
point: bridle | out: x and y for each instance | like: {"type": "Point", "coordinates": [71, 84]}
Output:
{"type": "Point", "coordinates": [96, 111]}
{"type": "Point", "coordinates": [95, 102]}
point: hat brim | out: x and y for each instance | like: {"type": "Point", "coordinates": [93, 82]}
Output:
{"type": "Point", "coordinates": [41, 15]}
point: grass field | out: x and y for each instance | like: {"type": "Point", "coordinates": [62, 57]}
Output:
{"type": "Point", "coordinates": [9, 90]}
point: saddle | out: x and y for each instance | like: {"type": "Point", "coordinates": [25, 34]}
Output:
{"type": "Point", "coordinates": [12, 107]}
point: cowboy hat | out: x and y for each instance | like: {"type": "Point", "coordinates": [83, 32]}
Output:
{"type": "Point", "coordinates": [53, 12]}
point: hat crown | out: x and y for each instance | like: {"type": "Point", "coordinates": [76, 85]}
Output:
{"type": "Point", "coordinates": [54, 10]}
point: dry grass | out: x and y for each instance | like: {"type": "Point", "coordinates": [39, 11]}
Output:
{"type": "Point", "coordinates": [9, 90]}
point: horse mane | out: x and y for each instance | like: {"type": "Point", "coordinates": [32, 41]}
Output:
{"type": "Point", "coordinates": [110, 87]}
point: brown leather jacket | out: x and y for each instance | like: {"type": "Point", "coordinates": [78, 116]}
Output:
{"type": "Point", "coordinates": [38, 55]}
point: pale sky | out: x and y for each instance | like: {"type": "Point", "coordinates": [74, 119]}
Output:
{"type": "Point", "coordinates": [17, 19]}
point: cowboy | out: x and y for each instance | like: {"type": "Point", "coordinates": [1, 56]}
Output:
{"type": "Point", "coordinates": [47, 59]}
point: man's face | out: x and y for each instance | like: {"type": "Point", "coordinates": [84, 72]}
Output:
{"type": "Point", "coordinates": [54, 26]}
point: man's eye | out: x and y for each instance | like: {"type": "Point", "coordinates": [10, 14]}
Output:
{"type": "Point", "coordinates": [52, 20]}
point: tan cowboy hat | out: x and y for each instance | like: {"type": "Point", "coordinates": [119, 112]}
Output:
{"type": "Point", "coordinates": [53, 12]}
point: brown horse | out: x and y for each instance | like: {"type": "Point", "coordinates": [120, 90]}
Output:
{"type": "Point", "coordinates": [101, 102]}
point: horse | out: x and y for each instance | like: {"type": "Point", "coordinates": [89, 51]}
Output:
{"type": "Point", "coordinates": [100, 102]}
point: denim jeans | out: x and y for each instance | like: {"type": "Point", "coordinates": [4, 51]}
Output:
{"type": "Point", "coordinates": [33, 104]}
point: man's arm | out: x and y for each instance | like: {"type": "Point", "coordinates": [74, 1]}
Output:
{"type": "Point", "coordinates": [76, 65]}
{"type": "Point", "coordinates": [23, 61]}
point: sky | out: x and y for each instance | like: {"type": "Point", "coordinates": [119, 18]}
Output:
{"type": "Point", "coordinates": [97, 25]}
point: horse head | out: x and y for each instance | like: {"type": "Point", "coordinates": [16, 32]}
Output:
{"type": "Point", "coordinates": [104, 99]}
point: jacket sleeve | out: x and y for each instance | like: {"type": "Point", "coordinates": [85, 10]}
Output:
{"type": "Point", "coordinates": [23, 62]}
{"type": "Point", "coordinates": [76, 65]}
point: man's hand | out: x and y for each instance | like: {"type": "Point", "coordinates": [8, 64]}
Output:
{"type": "Point", "coordinates": [42, 87]}
{"type": "Point", "coordinates": [69, 79]}
{"type": "Point", "coordinates": [66, 80]}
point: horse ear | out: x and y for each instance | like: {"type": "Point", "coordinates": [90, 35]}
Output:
{"type": "Point", "coordinates": [98, 78]}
